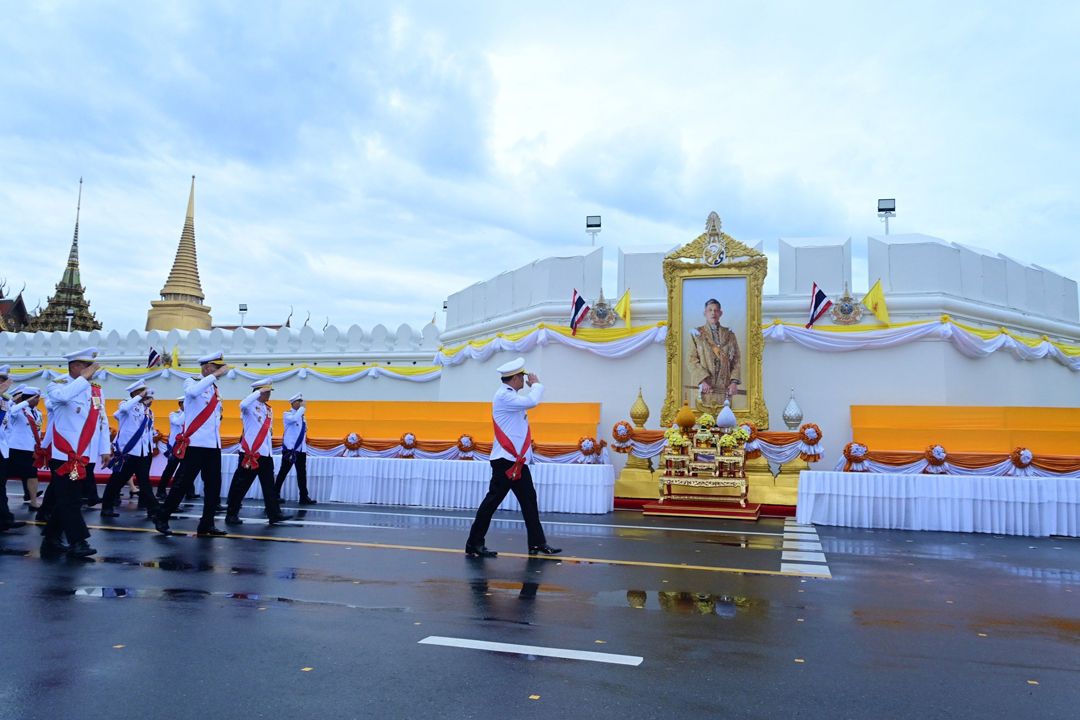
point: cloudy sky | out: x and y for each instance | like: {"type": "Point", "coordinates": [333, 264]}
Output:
{"type": "Point", "coordinates": [362, 161]}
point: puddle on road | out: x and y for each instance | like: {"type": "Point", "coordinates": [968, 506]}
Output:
{"type": "Point", "coordinates": [253, 600]}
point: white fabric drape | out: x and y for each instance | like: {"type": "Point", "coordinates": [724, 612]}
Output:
{"type": "Point", "coordinates": [778, 454]}
{"type": "Point", "coordinates": [451, 453]}
{"type": "Point", "coordinates": [966, 342]}
{"type": "Point", "coordinates": [286, 373]}
{"type": "Point", "coordinates": [440, 483]}
{"type": "Point", "coordinates": [543, 336]}
{"type": "Point", "coordinates": [1004, 468]}
{"type": "Point", "coordinates": [970, 503]}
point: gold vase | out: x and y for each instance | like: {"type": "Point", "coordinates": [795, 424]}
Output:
{"type": "Point", "coordinates": [685, 418]}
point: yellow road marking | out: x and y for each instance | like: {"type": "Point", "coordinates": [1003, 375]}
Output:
{"type": "Point", "coordinates": [456, 551]}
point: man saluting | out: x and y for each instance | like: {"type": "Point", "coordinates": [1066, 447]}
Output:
{"type": "Point", "coordinates": [510, 456]}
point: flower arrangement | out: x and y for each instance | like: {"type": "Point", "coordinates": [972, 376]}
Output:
{"type": "Point", "coordinates": [936, 457]}
{"type": "Point", "coordinates": [810, 434]}
{"type": "Point", "coordinates": [621, 433]}
{"type": "Point", "coordinates": [855, 455]}
{"type": "Point", "coordinates": [706, 421]}
{"type": "Point", "coordinates": [465, 447]}
{"type": "Point", "coordinates": [353, 442]}
{"type": "Point", "coordinates": [741, 434]}
{"type": "Point", "coordinates": [408, 445]}
{"type": "Point", "coordinates": [728, 441]}
{"type": "Point", "coordinates": [750, 429]}
{"type": "Point", "coordinates": [676, 438]}
{"type": "Point", "coordinates": [1021, 458]}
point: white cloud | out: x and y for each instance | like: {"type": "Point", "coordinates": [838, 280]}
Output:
{"type": "Point", "coordinates": [364, 163]}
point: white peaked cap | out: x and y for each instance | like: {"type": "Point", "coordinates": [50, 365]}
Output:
{"type": "Point", "coordinates": [85, 355]}
{"type": "Point", "coordinates": [511, 368]}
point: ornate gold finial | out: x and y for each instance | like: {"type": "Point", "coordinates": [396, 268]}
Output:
{"type": "Point", "coordinates": [639, 411]}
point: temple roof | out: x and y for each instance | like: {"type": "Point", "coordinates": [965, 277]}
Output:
{"type": "Point", "coordinates": [183, 282]}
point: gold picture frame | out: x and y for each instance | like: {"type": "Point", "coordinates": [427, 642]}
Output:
{"type": "Point", "coordinates": [715, 261]}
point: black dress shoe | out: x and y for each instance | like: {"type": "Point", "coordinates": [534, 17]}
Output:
{"type": "Point", "coordinates": [544, 550]}
{"type": "Point", "coordinates": [307, 501]}
{"type": "Point", "coordinates": [109, 512]}
{"type": "Point", "coordinates": [482, 551]}
{"type": "Point", "coordinates": [81, 549]}
{"type": "Point", "coordinates": [210, 532]}
{"type": "Point", "coordinates": [280, 518]}
{"type": "Point", "coordinates": [161, 524]}
{"type": "Point", "coordinates": [53, 546]}
{"type": "Point", "coordinates": [233, 520]}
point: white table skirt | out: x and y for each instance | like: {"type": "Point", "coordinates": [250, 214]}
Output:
{"type": "Point", "coordinates": [458, 484]}
{"type": "Point", "coordinates": [1033, 506]}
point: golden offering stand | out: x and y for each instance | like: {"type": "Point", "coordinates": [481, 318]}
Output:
{"type": "Point", "coordinates": [703, 464]}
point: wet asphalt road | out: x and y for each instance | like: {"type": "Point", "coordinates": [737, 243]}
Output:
{"type": "Point", "coordinates": [324, 618]}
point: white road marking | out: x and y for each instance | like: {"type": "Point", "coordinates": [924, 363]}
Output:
{"type": "Point", "coordinates": [800, 545]}
{"type": "Point", "coordinates": [533, 650]}
{"type": "Point", "coordinates": [801, 569]}
{"type": "Point", "coordinates": [295, 523]}
{"type": "Point", "coordinates": [800, 556]}
{"type": "Point", "coordinates": [808, 537]}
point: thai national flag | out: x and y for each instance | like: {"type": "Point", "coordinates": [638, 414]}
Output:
{"type": "Point", "coordinates": [578, 310]}
{"type": "Point", "coordinates": [154, 360]}
{"type": "Point", "coordinates": [819, 305]}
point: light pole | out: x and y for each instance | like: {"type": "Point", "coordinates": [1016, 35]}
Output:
{"type": "Point", "coordinates": [243, 312]}
{"type": "Point", "coordinates": [886, 209]}
{"type": "Point", "coordinates": [592, 226]}
{"type": "Point", "coordinates": [70, 314]}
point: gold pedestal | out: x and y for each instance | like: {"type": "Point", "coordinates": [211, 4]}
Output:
{"type": "Point", "coordinates": [768, 490]}
{"type": "Point", "coordinates": [637, 483]}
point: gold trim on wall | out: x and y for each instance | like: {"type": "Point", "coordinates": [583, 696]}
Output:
{"type": "Point", "coordinates": [700, 259]}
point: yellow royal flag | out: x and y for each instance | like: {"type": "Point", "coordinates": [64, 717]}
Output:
{"type": "Point", "coordinates": [875, 303]}
{"type": "Point", "coordinates": [623, 307]}
{"type": "Point", "coordinates": [176, 356]}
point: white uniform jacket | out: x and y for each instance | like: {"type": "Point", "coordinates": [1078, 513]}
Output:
{"type": "Point", "coordinates": [20, 434]}
{"type": "Point", "coordinates": [294, 421]}
{"type": "Point", "coordinates": [130, 416]}
{"type": "Point", "coordinates": [69, 406]}
{"type": "Point", "coordinates": [197, 395]}
{"type": "Point", "coordinates": [176, 425]}
{"type": "Point", "coordinates": [253, 414]}
{"type": "Point", "coordinates": [508, 409]}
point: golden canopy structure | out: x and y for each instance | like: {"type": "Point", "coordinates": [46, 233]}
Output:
{"type": "Point", "coordinates": [181, 306]}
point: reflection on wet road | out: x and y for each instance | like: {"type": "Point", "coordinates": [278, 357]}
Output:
{"type": "Point", "coordinates": [376, 612]}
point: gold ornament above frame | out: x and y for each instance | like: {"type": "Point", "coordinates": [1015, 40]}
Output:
{"type": "Point", "coordinates": [714, 342]}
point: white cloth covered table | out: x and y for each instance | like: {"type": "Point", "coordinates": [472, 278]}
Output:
{"type": "Point", "coordinates": [439, 483]}
{"type": "Point", "coordinates": [1034, 506]}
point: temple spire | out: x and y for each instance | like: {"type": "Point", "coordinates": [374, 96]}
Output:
{"type": "Point", "coordinates": [70, 294]}
{"type": "Point", "coordinates": [181, 305]}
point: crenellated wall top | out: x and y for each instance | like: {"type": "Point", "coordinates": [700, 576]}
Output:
{"type": "Point", "coordinates": [406, 343]}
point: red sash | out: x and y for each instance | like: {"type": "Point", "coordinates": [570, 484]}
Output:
{"type": "Point", "coordinates": [40, 459]}
{"type": "Point", "coordinates": [183, 439]}
{"type": "Point", "coordinates": [75, 467]}
{"type": "Point", "coordinates": [251, 458]}
{"type": "Point", "coordinates": [514, 473]}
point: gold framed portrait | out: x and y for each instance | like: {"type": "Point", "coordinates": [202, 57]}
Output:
{"type": "Point", "coordinates": [714, 341]}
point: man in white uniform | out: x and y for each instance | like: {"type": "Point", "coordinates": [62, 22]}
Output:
{"type": "Point", "coordinates": [80, 440]}
{"type": "Point", "coordinates": [255, 459]}
{"type": "Point", "coordinates": [133, 451]}
{"type": "Point", "coordinates": [199, 447]}
{"type": "Point", "coordinates": [294, 448]}
{"type": "Point", "coordinates": [24, 441]}
{"type": "Point", "coordinates": [176, 426]}
{"type": "Point", "coordinates": [7, 520]}
{"type": "Point", "coordinates": [511, 454]}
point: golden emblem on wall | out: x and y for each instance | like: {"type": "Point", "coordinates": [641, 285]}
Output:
{"type": "Point", "coordinates": [714, 342]}
{"type": "Point", "coordinates": [602, 315]}
{"type": "Point", "coordinates": [846, 310]}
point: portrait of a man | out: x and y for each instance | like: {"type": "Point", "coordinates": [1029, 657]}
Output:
{"type": "Point", "coordinates": [714, 357]}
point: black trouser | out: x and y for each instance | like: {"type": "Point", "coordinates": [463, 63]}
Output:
{"type": "Point", "coordinates": [88, 489]}
{"type": "Point", "coordinates": [6, 517]}
{"type": "Point", "coordinates": [167, 475]}
{"type": "Point", "coordinates": [196, 460]}
{"type": "Point", "coordinates": [526, 496]}
{"type": "Point", "coordinates": [65, 515]}
{"type": "Point", "coordinates": [139, 466]}
{"type": "Point", "coordinates": [241, 483]}
{"type": "Point", "coordinates": [21, 465]}
{"type": "Point", "coordinates": [288, 459]}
